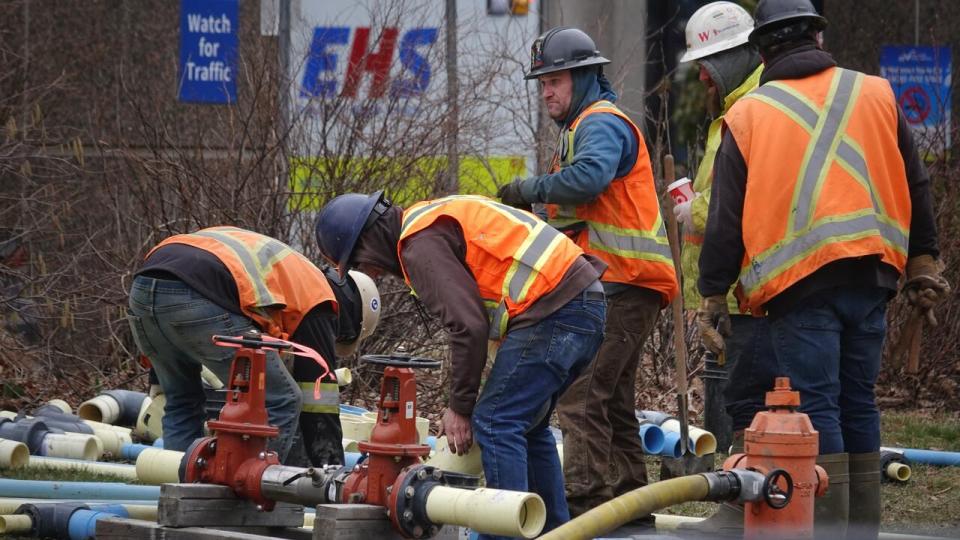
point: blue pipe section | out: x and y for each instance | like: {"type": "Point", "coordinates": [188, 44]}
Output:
{"type": "Point", "coordinates": [351, 409]}
{"type": "Point", "coordinates": [350, 459]}
{"type": "Point", "coordinates": [671, 444]}
{"type": "Point", "coordinates": [929, 457]}
{"type": "Point", "coordinates": [652, 439]}
{"type": "Point", "coordinates": [83, 523]}
{"type": "Point", "coordinates": [158, 443]}
{"type": "Point", "coordinates": [132, 450]}
{"type": "Point", "coordinates": [432, 441]}
{"type": "Point", "coordinates": [44, 489]}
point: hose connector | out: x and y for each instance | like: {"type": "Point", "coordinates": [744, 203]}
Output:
{"type": "Point", "coordinates": [740, 485]}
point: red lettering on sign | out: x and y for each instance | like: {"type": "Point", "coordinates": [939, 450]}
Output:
{"type": "Point", "coordinates": [363, 60]}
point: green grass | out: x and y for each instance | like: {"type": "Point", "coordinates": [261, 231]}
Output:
{"type": "Point", "coordinates": [59, 475]}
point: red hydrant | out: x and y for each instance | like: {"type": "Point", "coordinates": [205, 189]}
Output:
{"type": "Point", "coordinates": [782, 439]}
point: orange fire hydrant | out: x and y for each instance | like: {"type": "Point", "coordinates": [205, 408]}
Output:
{"type": "Point", "coordinates": [782, 438]}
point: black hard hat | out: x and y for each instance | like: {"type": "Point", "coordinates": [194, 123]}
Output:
{"type": "Point", "coordinates": [782, 20]}
{"type": "Point", "coordinates": [562, 48]}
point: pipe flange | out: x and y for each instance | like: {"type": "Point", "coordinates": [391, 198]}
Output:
{"type": "Point", "coordinates": [409, 500]}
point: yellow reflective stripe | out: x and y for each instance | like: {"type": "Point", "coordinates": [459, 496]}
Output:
{"type": "Point", "coordinates": [329, 401]}
{"type": "Point", "coordinates": [498, 318]}
{"type": "Point", "coordinates": [630, 243]}
{"type": "Point", "coordinates": [529, 259]}
{"type": "Point", "coordinates": [773, 262]}
{"type": "Point", "coordinates": [257, 261]}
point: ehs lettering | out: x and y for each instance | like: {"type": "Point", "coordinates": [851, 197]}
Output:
{"type": "Point", "coordinates": [319, 77]}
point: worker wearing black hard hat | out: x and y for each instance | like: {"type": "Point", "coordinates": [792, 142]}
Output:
{"type": "Point", "coordinates": [820, 203]}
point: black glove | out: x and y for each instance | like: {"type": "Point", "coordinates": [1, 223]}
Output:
{"type": "Point", "coordinates": [510, 194]}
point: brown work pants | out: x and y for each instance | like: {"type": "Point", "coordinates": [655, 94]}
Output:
{"type": "Point", "coordinates": [602, 454]}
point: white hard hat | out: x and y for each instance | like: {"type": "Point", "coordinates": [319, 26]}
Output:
{"type": "Point", "coordinates": [370, 308]}
{"type": "Point", "coordinates": [716, 27]}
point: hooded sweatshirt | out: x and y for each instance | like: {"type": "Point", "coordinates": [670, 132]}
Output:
{"type": "Point", "coordinates": [435, 260]}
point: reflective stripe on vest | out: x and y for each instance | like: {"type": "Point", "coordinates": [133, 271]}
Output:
{"type": "Point", "coordinates": [257, 261]}
{"type": "Point", "coordinates": [329, 401]}
{"type": "Point", "coordinates": [528, 260]}
{"type": "Point", "coordinates": [828, 143]}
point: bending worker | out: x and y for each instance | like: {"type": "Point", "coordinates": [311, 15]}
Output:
{"type": "Point", "coordinates": [819, 203]}
{"type": "Point", "coordinates": [729, 68]}
{"type": "Point", "coordinates": [230, 281]}
{"type": "Point", "coordinates": [488, 271]}
{"type": "Point", "coordinates": [600, 192]}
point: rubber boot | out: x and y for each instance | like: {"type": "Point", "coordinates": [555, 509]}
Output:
{"type": "Point", "coordinates": [864, 497]}
{"type": "Point", "coordinates": [832, 511]}
{"type": "Point", "coordinates": [727, 521]}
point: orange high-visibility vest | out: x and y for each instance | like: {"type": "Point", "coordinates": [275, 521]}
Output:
{"type": "Point", "coordinates": [623, 225]}
{"type": "Point", "coordinates": [277, 285]}
{"type": "Point", "coordinates": [515, 257]}
{"type": "Point", "coordinates": [825, 179]}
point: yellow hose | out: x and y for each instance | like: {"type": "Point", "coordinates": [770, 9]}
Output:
{"type": "Point", "coordinates": [629, 506]}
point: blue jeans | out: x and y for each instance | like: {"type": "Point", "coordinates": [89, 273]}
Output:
{"type": "Point", "coordinates": [830, 347]}
{"type": "Point", "coordinates": [751, 369]}
{"type": "Point", "coordinates": [533, 367]}
{"type": "Point", "coordinates": [172, 325]}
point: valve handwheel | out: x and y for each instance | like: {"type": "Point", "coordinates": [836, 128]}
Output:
{"type": "Point", "coordinates": [776, 496]}
{"type": "Point", "coordinates": [400, 360]}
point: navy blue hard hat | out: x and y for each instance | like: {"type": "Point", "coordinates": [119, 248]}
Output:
{"type": "Point", "coordinates": [562, 48]}
{"type": "Point", "coordinates": [342, 221]}
{"type": "Point", "coordinates": [778, 21]}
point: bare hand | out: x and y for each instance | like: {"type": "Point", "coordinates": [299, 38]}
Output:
{"type": "Point", "coordinates": [458, 431]}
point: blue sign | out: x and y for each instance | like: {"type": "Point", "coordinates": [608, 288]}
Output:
{"type": "Point", "coordinates": [208, 51]}
{"type": "Point", "coordinates": [920, 77]}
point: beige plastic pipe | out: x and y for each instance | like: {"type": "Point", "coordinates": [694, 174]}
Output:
{"type": "Point", "coordinates": [112, 438]}
{"type": "Point", "coordinates": [350, 445]}
{"type": "Point", "coordinates": [13, 454]}
{"type": "Point", "coordinates": [102, 408]}
{"type": "Point", "coordinates": [703, 441]}
{"type": "Point", "coordinates": [211, 378]}
{"type": "Point", "coordinates": [140, 428]}
{"type": "Point", "coordinates": [73, 446]}
{"type": "Point", "coordinates": [445, 459]}
{"type": "Point", "coordinates": [62, 405]}
{"type": "Point", "coordinates": [156, 466]}
{"type": "Point", "coordinates": [150, 420]}
{"type": "Point", "coordinates": [356, 427]}
{"type": "Point", "coordinates": [344, 376]}
{"type": "Point", "coordinates": [120, 470]}
{"type": "Point", "coordinates": [898, 471]}
{"type": "Point", "coordinates": [15, 524]}
{"type": "Point", "coordinates": [488, 511]}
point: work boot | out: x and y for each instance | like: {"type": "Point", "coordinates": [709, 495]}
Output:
{"type": "Point", "coordinates": [832, 511]}
{"type": "Point", "coordinates": [864, 496]}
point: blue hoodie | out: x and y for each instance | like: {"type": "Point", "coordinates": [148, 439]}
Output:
{"type": "Point", "coordinates": [605, 148]}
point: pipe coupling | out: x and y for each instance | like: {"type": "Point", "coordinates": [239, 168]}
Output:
{"type": "Point", "coordinates": [740, 485]}
{"type": "Point", "coordinates": [50, 520]}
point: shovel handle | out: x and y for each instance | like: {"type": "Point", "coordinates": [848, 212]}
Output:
{"type": "Point", "coordinates": [679, 343]}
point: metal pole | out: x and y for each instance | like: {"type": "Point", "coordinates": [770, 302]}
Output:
{"type": "Point", "coordinates": [916, 22]}
{"type": "Point", "coordinates": [452, 184]}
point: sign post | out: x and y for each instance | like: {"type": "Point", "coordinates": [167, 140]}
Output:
{"type": "Point", "coordinates": [920, 77]}
{"type": "Point", "coordinates": [208, 51]}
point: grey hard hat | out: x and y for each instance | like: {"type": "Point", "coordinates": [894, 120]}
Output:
{"type": "Point", "coordinates": [562, 48]}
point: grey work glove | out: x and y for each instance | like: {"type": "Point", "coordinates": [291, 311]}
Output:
{"type": "Point", "coordinates": [510, 194]}
{"type": "Point", "coordinates": [925, 287]}
{"type": "Point", "coordinates": [713, 320]}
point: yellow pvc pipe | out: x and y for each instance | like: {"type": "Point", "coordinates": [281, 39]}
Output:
{"type": "Point", "coordinates": [488, 511]}
{"type": "Point", "coordinates": [13, 454]}
{"type": "Point", "coordinates": [445, 459]}
{"type": "Point", "coordinates": [898, 471]}
{"type": "Point", "coordinates": [356, 427]}
{"type": "Point", "coordinates": [632, 505]}
{"type": "Point", "coordinates": [15, 524]}
{"type": "Point", "coordinates": [62, 405]}
{"type": "Point", "coordinates": [150, 421]}
{"type": "Point", "coordinates": [703, 441]}
{"type": "Point", "coordinates": [73, 446]}
{"type": "Point", "coordinates": [112, 440]}
{"type": "Point", "coordinates": [121, 470]}
{"type": "Point", "coordinates": [210, 378]}
{"type": "Point", "coordinates": [156, 466]}
{"type": "Point", "coordinates": [344, 376]}
{"type": "Point", "coordinates": [102, 408]}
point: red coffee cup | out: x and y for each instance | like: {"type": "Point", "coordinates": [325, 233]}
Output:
{"type": "Point", "coordinates": [681, 191]}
